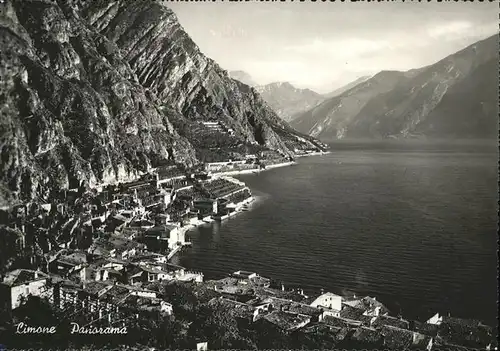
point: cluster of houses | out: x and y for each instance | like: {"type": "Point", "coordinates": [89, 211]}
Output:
{"type": "Point", "coordinates": [99, 251]}
{"type": "Point", "coordinates": [115, 266]}
{"type": "Point", "coordinates": [114, 290]}
{"type": "Point", "coordinates": [258, 161]}
{"type": "Point", "coordinates": [93, 248]}
{"type": "Point", "coordinates": [360, 323]}
{"type": "Point", "coordinates": [249, 162]}
{"type": "Point", "coordinates": [162, 205]}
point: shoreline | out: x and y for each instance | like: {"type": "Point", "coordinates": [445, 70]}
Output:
{"type": "Point", "coordinates": [208, 220]}
{"type": "Point", "coordinates": [272, 166]}
{"type": "Point", "coordinates": [238, 207]}
{"type": "Point", "coordinates": [319, 153]}
{"type": "Point", "coordinates": [253, 170]}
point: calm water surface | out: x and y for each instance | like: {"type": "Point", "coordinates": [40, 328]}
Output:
{"type": "Point", "coordinates": [414, 225]}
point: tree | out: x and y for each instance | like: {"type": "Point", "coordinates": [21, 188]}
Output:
{"type": "Point", "coordinates": [182, 298]}
{"type": "Point", "coordinates": [267, 335]}
{"type": "Point", "coordinates": [220, 328]}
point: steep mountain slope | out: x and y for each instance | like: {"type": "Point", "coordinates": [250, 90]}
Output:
{"type": "Point", "coordinates": [410, 107]}
{"type": "Point", "coordinates": [455, 97]}
{"type": "Point", "coordinates": [331, 118]}
{"type": "Point", "coordinates": [286, 100]}
{"type": "Point", "coordinates": [170, 65]}
{"type": "Point", "coordinates": [76, 105]}
{"type": "Point", "coordinates": [243, 77]}
{"type": "Point", "coordinates": [469, 108]}
{"type": "Point", "coordinates": [71, 108]}
{"type": "Point", "coordinates": [347, 87]}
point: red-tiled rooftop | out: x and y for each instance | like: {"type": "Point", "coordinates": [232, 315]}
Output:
{"type": "Point", "coordinates": [391, 321]}
{"type": "Point", "coordinates": [369, 335]}
{"type": "Point", "coordinates": [465, 332]}
{"type": "Point", "coordinates": [340, 322]}
{"type": "Point", "coordinates": [74, 258]}
{"type": "Point", "coordinates": [292, 306]}
{"type": "Point", "coordinates": [397, 338]}
{"type": "Point", "coordinates": [351, 312]}
{"type": "Point", "coordinates": [95, 287]}
{"type": "Point", "coordinates": [427, 329]}
{"type": "Point", "coordinates": [116, 293]}
{"type": "Point", "coordinates": [285, 320]}
{"type": "Point", "coordinates": [239, 309]}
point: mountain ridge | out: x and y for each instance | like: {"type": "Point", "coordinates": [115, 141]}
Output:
{"type": "Point", "coordinates": [346, 105]}
{"type": "Point", "coordinates": [398, 104]}
{"type": "Point", "coordinates": [346, 87]}
{"type": "Point", "coordinates": [103, 92]}
{"type": "Point", "coordinates": [287, 100]}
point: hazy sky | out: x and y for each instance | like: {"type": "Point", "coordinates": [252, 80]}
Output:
{"type": "Point", "coordinates": [325, 45]}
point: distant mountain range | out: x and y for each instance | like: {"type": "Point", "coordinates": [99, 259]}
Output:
{"type": "Point", "coordinates": [286, 100]}
{"type": "Point", "coordinates": [454, 98]}
{"type": "Point", "coordinates": [243, 77]}
{"type": "Point", "coordinates": [346, 87]}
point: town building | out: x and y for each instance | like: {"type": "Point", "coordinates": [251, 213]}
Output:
{"type": "Point", "coordinates": [19, 284]}
{"type": "Point", "coordinates": [206, 206]}
{"type": "Point", "coordinates": [331, 303]}
{"type": "Point", "coordinates": [116, 247]}
{"type": "Point", "coordinates": [174, 235]}
{"type": "Point", "coordinates": [285, 320]}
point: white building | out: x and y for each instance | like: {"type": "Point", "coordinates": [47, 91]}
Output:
{"type": "Point", "coordinates": [21, 283]}
{"type": "Point", "coordinates": [176, 236]}
{"type": "Point", "coordinates": [332, 303]}
{"type": "Point", "coordinates": [202, 346]}
{"type": "Point", "coordinates": [436, 319]}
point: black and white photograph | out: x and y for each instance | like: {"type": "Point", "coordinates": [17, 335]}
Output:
{"type": "Point", "coordinates": [249, 175]}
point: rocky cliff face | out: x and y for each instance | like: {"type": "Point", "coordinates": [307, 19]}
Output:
{"type": "Point", "coordinates": [286, 100]}
{"type": "Point", "coordinates": [95, 93]}
{"type": "Point", "coordinates": [72, 108]}
{"type": "Point", "coordinates": [170, 66]}
{"type": "Point", "coordinates": [455, 97]}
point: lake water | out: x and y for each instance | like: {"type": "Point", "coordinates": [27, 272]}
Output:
{"type": "Point", "coordinates": [412, 224]}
